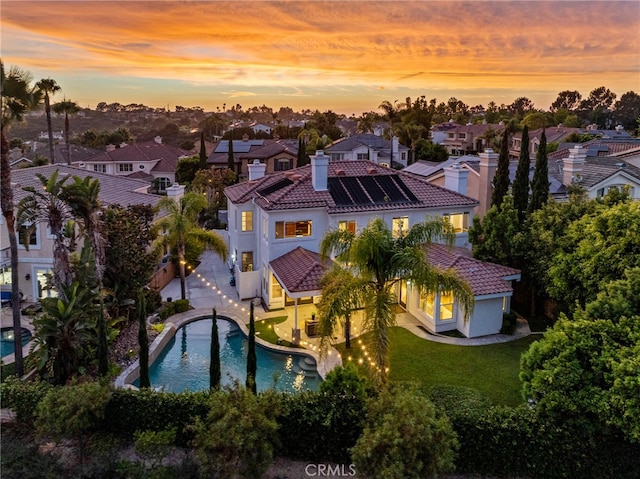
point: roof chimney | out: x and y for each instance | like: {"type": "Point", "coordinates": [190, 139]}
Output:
{"type": "Point", "coordinates": [110, 147]}
{"type": "Point", "coordinates": [175, 191]}
{"type": "Point", "coordinates": [488, 165]}
{"type": "Point", "coordinates": [319, 170]}
{"type": "Point", "coordinates": [455, 178]}
{"type": "Point", "coordinates": [158, 139]}
{"type": "Point", "coordinates": [572, 166]}
{"type": "Point", "coordinates": [245, 137]}
{"type": "Point", "coordinates": [256, 170]}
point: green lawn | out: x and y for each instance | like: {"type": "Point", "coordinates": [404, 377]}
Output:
{"type": "Point", "coordinates": [492, 369]}
{"type": "Point", "coordinates": [264, 331]}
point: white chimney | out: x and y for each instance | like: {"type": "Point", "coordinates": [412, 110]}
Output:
{"type": "Point", "coordinates": [111, 147]}
{"type": "Point", "coordinates": [394, 149]}
{"type": "Point", "coordinates": [158, 139]}
{"type": "Point", "coordinates": [256, 170]}
{"type": "Point", "coordinates": [319, 170]}
{"type": "Point", "coordinates": [175, 191]}
{"type": "Point", "coordinates": [455, 178]}
{"type": "Point", "coordinates": [488, 166]}
{"type": "Point", "coordinates": [572, 166]}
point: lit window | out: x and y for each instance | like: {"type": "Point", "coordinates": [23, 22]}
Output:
{"type": "Point", "coordinates": [427, 303]}
{"type": "Point", "coordinates": [446, 305]}
{"type": "Point", "coordinates": [293, 229]}
{"type": "Point", "coordinates": [276, 289]}
{"type": "Point", "coordinates": [247, 261]}
{"type": "Point", "coordinates": [349, 226]}
{"type": "Point", "coordinates": [459, 221]}
{"type": "Point", "coordinates": [247, 221]}
{"type": "Point", "coordinates": [124, 167]}
{"type": "Point", "coordinates": [400, 226]}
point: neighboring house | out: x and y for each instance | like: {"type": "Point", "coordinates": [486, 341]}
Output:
{"type": "Point", "coordinates": [369, 147]}
{"type": "Point", "coordinates": [57, 135]}
{"type": "Point", "coordinates": [598, 165]}
{"type": "Point", "coordinates": [255, 126]}
{"type": "Point", "coordinates": [438, 133]}
{"type": "Point", "coordinates": [469, 138]}
{"type": "Point", "coordinates": [555, 134]}
{"type": "Point", "coordinates": [277, 221]}
{"type": "Point", "coordinates": [34, 265]}
{"type": "Point", "coordinates": [276, 155]}
{"type": "Point", "coordinates": [152, 161]}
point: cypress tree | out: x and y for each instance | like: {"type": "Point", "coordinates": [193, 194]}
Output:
{"type": "Point", "coordinates": [252, 361]}
{"type": "Point", "coordinates": [230, 160]}
{"type": "Point", "coordinates": [203, 152]}
{"type": "Point", "coordinates": [521, 183]}
{"type": "Point", "coordinates": [214, 364]}
{"type": "Point", "coordinates": [143, 341]}
{"type": "Point", "coordinates": [540, 182]}
{"type": "Point", "coordinates": [501, 179]}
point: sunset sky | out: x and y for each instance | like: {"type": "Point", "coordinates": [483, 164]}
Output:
{"type": "Point", "coordinates": [345, 56]}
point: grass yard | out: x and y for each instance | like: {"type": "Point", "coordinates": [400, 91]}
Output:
{"type": "Point", "coordinates": [265, 331]}
{"type": "Point", "coordinates": [493, 369]}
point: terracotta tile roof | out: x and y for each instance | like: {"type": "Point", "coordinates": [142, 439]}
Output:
{"type": "Point", "coordinates": [252, 150]}
{"type": "Point", "coordinates": [114, 190]}
{"type": "Point", "coordinates": [300, 270]}
{"type": "Point", "coordinates": [146, 151]}
{"type": "Point", "coordinates": [299, 193]}
{"type": "Point", "coordinates": [484, 278]}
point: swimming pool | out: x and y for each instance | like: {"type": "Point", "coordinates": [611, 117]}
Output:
{"type": "Point", "coordinates": [6, 340]}
{"type": "Point", "coordinates": [184, 362]}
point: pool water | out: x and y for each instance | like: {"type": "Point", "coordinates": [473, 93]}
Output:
{"type": "Point", "coordinates": [184, 362]}
{"type": "Point", "coordinates": [6, 340]}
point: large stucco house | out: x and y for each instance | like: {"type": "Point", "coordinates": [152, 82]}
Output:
{"type": "Point", "coordinates": [35, 264]}
{"type": "Point", "coordinates": [276, 223]}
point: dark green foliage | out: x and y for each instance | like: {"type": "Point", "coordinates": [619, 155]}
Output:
{"type": "Point", "coordinates": [501, 178]}
{"type": "Point", "coordinates": [252, 359]}
{"type": "Point", "coordinates": [23, 397]}
{"type": "Point", "coordinates": [521, 183]}
{"type": "Point", "coordinates": [181, 305]}
{"type": "Point", "coordinates": [429, 151]}
{"type": "Point", "coordinates": [21, 458]}
{"type": "Point", "coordinates": [540, 181]}
{"type": "Point", "coordinates": [214, 356]}
{"type": "Point", "coordinates": [509, 323]}
{"type": "Point", "coordinates": [154, 446]}
{"type": "Point", "coordinates": [236, 438]}
{"type": "Point", "coordinates": [187, 169]}
{"type": "Point", "coordinates": [458, 400]}
{"type": "Point", "coordinates": [203, 152]}
{"type": "Point", "coordinates": [327, 424]}
{"type": "Point", "coordinates": [148, 410]}
{"type": "Point", "coordinates": [231, 163]}
{"type": "Point", "coordinates": [143, 341]}
{"type": "Point", "coordinates": [404, 437]}
{"type": "Point", "coordinates": [617, 299]}
{"type": "Point", "coordinates": [346, 381]}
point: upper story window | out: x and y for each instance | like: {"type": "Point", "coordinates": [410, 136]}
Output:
{"type": "Point", "coordinates": [451, 136]}
{"type": "Point", "coordinates": [400, 226]}
{"type": "Point", "coordinates": [293, 229]}
{"type": "Point", "coordinates": [363, 156]}
{"type": "Point", "coordinates": [100, 168]}
{"type": "Point", "coordinates": [403, 156]}
{"type": "Point", "coordinates": [459, 221]}
{"type": "Point", "coordinates": [602, 192]}
{"type": "Point", "coordinates": [349, 226]}
{"type": "Point", "coordinates": [283, 164]}
{"type": "Point", "coordinates": [22, 236]}
{"type": "Point", "coordinates": [162, 183]}
{"type": "Point", "coordinates": [337, 156]}
{"type": "Point", "coordinates": [462, 136]}
{"type": "Point", "coordinates": [246, 223]}
{"type": "Point", "coordinates": [123, 167]}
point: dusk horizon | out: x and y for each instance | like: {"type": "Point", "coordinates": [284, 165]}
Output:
{"type": "Point", "coordinates": [347, 57]}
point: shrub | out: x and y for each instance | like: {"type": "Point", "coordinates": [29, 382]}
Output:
{"type": "Point", "coordinates": [237, 435]}
{"type": "Point", "coordinates": [154, 446]}
{"type": "Point", "coordinates": [509, 323]}
{"type": "Point", "coordinates": [181, 305]}
{"type": "Point", "coordinates": [23, 397]}
{"type": "Point", "coordinates": [404, 437]}
{"type": "Point", "coordinates": [166, 310]}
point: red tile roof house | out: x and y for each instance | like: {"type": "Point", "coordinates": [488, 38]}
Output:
{"type": "Point", "coordinates": [276, 223]}
{"type": "Point", "coordinates": [150, 161]}
{"type": "Point", "coordinates": [365, 146]}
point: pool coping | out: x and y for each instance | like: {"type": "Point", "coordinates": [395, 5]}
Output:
{"type": "Point", "coordinates": [125, 380]}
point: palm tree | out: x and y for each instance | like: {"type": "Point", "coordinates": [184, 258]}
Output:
{"type": "Point", "coordinates": [181, 227]}
{"type": "Point", "coordinates": [412, 132]}
{"type": "Point", "coordinates": [49, 87]}
{"type": "Point", "coordinates": [67, 107]}
{"type": "Point", "coordinates": [46, 205]}
{"type": "Point", "coordinates": [377, 261]}
{"type": "Point", "coordinates": [392, 113]}
{"type": "Point", "coordinates": [18, 97]}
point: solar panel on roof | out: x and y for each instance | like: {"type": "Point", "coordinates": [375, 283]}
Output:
{"type": "Point", "coordinates": [398, 181]}
{"type": "Point", "coordinates": [338, 193]}
{"type": "Point", "coordinates": [354, 188]}
{"type": "Point", "coordinates": [373, 189]}
{"type": "Point", "coordinates": [391, 189]}
{"type": "Point", "coordinates": [275, 187]}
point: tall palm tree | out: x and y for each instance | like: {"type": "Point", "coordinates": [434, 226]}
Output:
{"type": "Point", "coordinates": [377, 261]}
{"type": "Point", "coordinates": [82, 198]}
{"type": "Point", "coordinates": [181, 227]}
{"type": "Point", "coordinates": [392, 114]}
{"type": "Point", "coordinates": [67, 107]}
{"type": "Point", "coordinates": [45, 204]}
{"type": "Point", "coordinates": [412, 132]}
{"type": "Point", "coordinates": [49, 87]}
{"type": "Point", "coordinates": [18, 97]}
